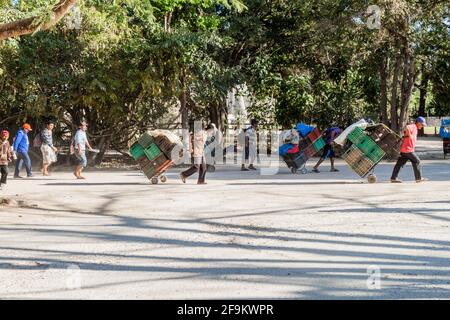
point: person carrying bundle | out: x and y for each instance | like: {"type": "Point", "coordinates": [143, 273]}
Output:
{"type": "Point", "coordinates": [407, 151]}
{"type": "Point", "coordinates": [328, 152]}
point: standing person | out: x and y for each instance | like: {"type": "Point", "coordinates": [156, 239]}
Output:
{"type": "Point", "coordinates": [407, 151]}
{"type": "Point", "coordinates": [328, 152]}
{"type": "Point", "coordinates": [20, 147]}
{"type": "Point", "coordinates": [47, 148]}
{"type": "Point", "coordinates": [80, 142]}
{"type": "Point", "coordinates": [251, 153]}
{"type": "Point", "coordinates": [198, 149]}
{"type": "Point", "coordinates": [5, 157]}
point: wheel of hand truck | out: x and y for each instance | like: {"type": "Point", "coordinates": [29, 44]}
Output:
{"type": "Point", "coordinates": [163, 179]}
{"type": "Point", "coordinates": [372, 178]}
{"type": "Point", "coordinates": [154, 180]}
{"type": "Point", "coordinates": [304, 170]}
{"type": "Point", "coordinates": [294, 170]}
{"type": "Point", "coordinates": [211, 168]}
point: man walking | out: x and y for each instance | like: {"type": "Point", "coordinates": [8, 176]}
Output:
{"type": "Point", "coordinates": [20, 147]}
{"type": "Point", "coordinates": [407, 151]}
{"type": "Point", "coordinates": [80, 142]}
{"type": "Point", "coordinates": [250, 145]}
{"type": "Point", "coordinates": [328, 152]}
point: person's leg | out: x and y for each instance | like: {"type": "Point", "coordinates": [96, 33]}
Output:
{"type": "Point", "coordinates": [400, 163]}
{"type": "Point", "coordinates": [325, 155]}
{"type": "Point", "coordinates": [19, 164]}
{"type": "Point", "coordinates": [332, 155]}
{"type": "Point", "coordinates": [45, 169]}
{"type": "Point", "coordinates": [202, 173]}
{"type": "Point", "coordinates": [245, 156]}
{"type": "Point", "coordinates": [415, 161]}
{"type": "Point", "coordinates": [253, 155]}
{"type": "Point", "coordinates": [332, 164]}
{"type": "Point", "coordinates": [316, 167]}
{"type": "Point", "coordinates": [189, 172]}
{"type": "Point", "coordinates": [4, 173]}
{"type": "Point", "coordinates": [27, 161]}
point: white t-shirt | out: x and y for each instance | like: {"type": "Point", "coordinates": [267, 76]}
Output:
{"type": "Point", "coordinates": [251, 134]}
{"type": "Point", "coordinates": [80, 139]}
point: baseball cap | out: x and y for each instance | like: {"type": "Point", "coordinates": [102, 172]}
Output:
{"type": "Point", "coordinates": [26, 126]}
{"type": "Point", "coordinates": [422, 121]}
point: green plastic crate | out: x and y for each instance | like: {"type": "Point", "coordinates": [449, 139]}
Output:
{"type": "Point", "coordinates": [366, 145]}
{"type": "Point", "coordinates": [146, 140]}
{"type": "Point", "coordinates": [319, 144]}
{"type": "Point", "coordinates": [152, 152]}
{"type": "Point", "coordinates": [376, 154]}
{"type": "Point", "coordinates": [356, 135]}
{"type": "Point", "coordinates": [137, 151]}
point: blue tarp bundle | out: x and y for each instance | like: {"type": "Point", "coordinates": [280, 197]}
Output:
{"type": "Point", "coordinates": [283, 149]}
{"type": "Point", "coordinates": [445, 128]}
{"type": "Point", "coordinates": [303, 129]}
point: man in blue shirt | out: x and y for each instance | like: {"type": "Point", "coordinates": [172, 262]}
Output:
{"type": "Point", "coordinates": [331, 134]}
{"type": "Point", "coordinates": [80, 142]}
{"type": "Point", "coordinates": [20, 147]}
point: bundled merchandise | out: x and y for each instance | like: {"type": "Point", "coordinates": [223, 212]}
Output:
{"type": "Point", "coordinates": [300, 144]}
{"type": "Point", "coordinates": [153, 151]}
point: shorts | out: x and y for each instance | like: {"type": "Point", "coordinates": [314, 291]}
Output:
{"type": "Point", "coordinates": [328, 152]}
{"type": "Point", "coordinates": [82, 159]}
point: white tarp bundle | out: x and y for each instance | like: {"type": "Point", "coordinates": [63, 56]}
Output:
{"type": "Point", "coordinates": [343, 136]}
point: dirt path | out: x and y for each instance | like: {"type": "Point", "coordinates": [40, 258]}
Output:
{"type": "Point", "coordinates": [242, 236]}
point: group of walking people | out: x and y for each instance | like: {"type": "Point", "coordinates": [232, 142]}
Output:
{"type": "Point", "coordinates": [19, 151]}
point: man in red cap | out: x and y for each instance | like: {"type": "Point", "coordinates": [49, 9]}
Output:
{"type": "Point", "coordinates": [20, 147]}
{"type": "Point", "coordinates": [5, 157]}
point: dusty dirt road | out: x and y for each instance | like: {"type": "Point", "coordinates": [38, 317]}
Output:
{"type": "Point", "coordinates": [324, 236]}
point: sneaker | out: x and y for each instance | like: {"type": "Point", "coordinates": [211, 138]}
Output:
{"type": "Point", "coordinates": [244, 169]}
{"type": "Point", "coordinates": [315, 170]}
{"type": "Point", "coordinates": [18, 177]}
{"type": "Point", "coordinates": [183, 178]}
{"type": "Point", "coordinates": [334, 170]}
{"type": "Point", "coordinates": [251, 167]}
{"type": "Point", "coordinates": [201, 183]}
{"type": "Point", "coordinates": [421, 180]}
{"type": "Point", "coordinates": [396, 181]}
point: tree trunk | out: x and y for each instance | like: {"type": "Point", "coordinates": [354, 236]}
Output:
{"type": "Point", "coordinates": [394, 93]}
{"type": "Point", "coordinates": [409, 77]}
{"type": "Point", "coordinates": [28, 26]}
{"type": "Point", "coordinates": [423, 95]}
{"type": "Point", "coordinates": [103, 147]}
{"type": "Point", "coordinates": [383, 89]}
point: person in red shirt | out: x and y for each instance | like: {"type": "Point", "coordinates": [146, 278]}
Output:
{"type": "Point", "coordinates": [407, 151]}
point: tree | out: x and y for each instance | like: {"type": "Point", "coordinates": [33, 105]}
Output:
{"type": "Point", "coordinates": [36, 23]}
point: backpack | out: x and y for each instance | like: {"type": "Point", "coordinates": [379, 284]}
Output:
{"type": "Point", "coordinates": [37, 142]}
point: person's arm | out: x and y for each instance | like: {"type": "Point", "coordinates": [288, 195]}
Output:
{"type": "Point", "coordinates": [9, 153]}
{"type": "Point", "coordinates": [17, 141]}
{"type": "Point", "coordinates": [406, 133]}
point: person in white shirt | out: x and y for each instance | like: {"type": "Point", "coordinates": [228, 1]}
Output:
{"type": "Point", "coordinates": [250, 146]}
{"type": "Point", "coordinates": [80, 142]}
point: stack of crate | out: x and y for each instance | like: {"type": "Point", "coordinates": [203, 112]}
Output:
{"type": "Point", "coordinates": [309, 146]}
{"type": "Point", "coordinates": [364, 152]}
{"type": "Point", "coordinates": [148, 155]}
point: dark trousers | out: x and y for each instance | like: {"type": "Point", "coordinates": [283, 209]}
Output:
{"type": "Point", "coordinates": [201, 168]}
{"type": "Point", "coordinates": [4, 172]}
{"type": "Point", "coordinates": [403, 159]}
{"type": "Point", "coordinates": [22, 157]}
